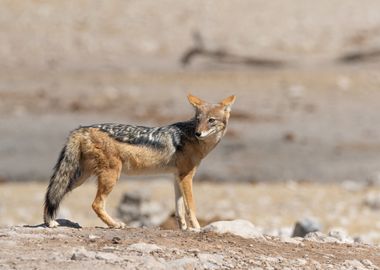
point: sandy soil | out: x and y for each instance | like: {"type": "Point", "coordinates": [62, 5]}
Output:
{"type": "Point", "coordinates": [96, 248]}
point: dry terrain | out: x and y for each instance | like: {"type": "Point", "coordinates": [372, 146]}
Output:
{"type": "Point", "coordinates": [97, 248]}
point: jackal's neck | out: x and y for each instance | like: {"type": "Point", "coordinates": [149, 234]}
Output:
{"type": "Point", "coordinates": [202, 147]}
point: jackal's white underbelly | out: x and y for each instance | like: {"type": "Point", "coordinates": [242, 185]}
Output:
{"type": "Point", "coordinates": [145, 160]}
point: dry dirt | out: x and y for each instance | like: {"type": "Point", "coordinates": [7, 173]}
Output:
{"type": "Point", "coordinates": [98, 248]}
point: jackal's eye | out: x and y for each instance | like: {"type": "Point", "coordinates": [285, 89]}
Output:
{"type": "Point", "coordinates": [211, 120]}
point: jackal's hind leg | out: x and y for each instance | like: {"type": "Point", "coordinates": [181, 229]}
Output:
{"type": "Point", "coordinates": [180, 212]}
{"type": "Point", "coordinates": [106, 182]}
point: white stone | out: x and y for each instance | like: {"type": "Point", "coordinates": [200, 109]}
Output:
{"type": "Point", "coordinates": [239, 227]}
{"type": "Point", "coordinates": [210, 261]}
{"type": "Point", "coordinates": [80, 253]}
{"type": "Point", "coordinates": [183, 263]}
{"type": "Point", "coordinates": [144, 247]}
{"type": "Point", "coordinates": [320, 237]}
{"type": "Point", "coordinates": [341, 235]}
{"type": "Point", "coordinates": [106, 256]}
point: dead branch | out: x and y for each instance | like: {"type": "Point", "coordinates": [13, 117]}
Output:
{"type": "Point", "coordinates": [359, 56]}
{"type": "Point", "coordinates": [223, 56]}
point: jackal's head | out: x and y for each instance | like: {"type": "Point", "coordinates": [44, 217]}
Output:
{"type": "Point", "coordinates": [211, 119]}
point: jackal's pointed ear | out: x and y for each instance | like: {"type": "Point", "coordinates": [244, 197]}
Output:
{"type": "Point", "coordinates": [195, 101]}
{"type": "Point", "coordinates": [227, 103]}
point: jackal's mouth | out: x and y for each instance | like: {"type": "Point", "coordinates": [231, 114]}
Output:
{"type": "Point", "coordinates": [206, 134]}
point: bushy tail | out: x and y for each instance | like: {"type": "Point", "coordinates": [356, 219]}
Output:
{"type": "Point", "coordinates": [66, 171]}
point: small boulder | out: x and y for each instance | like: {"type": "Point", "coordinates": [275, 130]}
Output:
{"type": "Point", "coordinates": [320, 238]}
{"type": "Point", "coordinates": [341, 235]}
{"type": "Point", "coordinates": [305, 226]}
{"type": "Point", "coordinates": [239, 227]}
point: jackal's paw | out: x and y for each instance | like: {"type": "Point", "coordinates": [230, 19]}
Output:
{"type": "Point", "coordinates": [182, 226]}
{"type": "Point", "coordinates": [52, 224]}
{"type": "Point", "coordinates": [118, 225]}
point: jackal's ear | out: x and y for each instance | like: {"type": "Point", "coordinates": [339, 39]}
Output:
{"type": "Point", "coordinates": [195, 101]}
{"type": "Point", "coordinates": [227, 103]}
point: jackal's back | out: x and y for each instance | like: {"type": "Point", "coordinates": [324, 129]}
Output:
{"type": "Point", "coordinates": [174, 135]}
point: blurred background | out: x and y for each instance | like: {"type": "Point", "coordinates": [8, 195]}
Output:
{"type": "Point", "coordinates": [305, 123]}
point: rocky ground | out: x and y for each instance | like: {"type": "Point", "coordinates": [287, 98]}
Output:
{"type": "Point", "coordinates": [274, 208]}
{"type": "Point", "coordinates": [99, 248]}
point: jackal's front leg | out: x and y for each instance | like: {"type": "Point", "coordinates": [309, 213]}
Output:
{"type": "Point", "coordinates": [180, 212]}
{"type": "Point", "coordinates": [186, 187]}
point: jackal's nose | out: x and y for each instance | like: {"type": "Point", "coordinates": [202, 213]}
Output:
{"type": "Point", "coordinates": [198, 134]}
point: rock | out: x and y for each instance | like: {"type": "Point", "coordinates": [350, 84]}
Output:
{"type": "Point", "coordinates": [149, 262]}
{"type": "Point", "coordinates": [144, 247]}
{"type": "Point", "coordinates": [183, 263]}
{"type": "Point", "coordinates": [369, 238]}
{"type": "Point", "coordinates": [320, 237]}
{"type": "Point", "coordinates": [210, 261]}
{"type": "Point", "coordinates": [354, 186]}
{"type": "Point", "coordinates": [202, 261]}
{"type": "Point", "coordinates": [106, 256]}
{"type": "Point", "coordinates": [291, 240]}
{"type": "Point", "coordinates": [355, 265]}
{"type": "Point", "coordinates": [306, 226]}
{"type": "Point", "coordinates": [116, 240]}
{"type": "Point", "coordinates": [238, 227]}
{"type": "Point", "coordinates": [284, 231]}
{"type": "Point", "coordinates": [93, 237]}
{"type": "Point", "coordinates": [341, 235]}
{"type": "Point", "coordinates": [137, 210]}
{"type": "Point", "coordinates": [300, 262]}
{"type": "Point", "coordinates": [81, 253]}
{"type": "Point", "coordinates": [372, 200]}
{"type": "Point", "coordinates": [369, 264]}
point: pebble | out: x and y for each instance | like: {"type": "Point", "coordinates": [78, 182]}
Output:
{"type": "Point", "coordinates": [93, 237]}
{"type": "Point", "coordinates": [106, 256]}
{"type": "Point", "coordinates": [210, 260]}
{"type": "Point", "coordinates": [183, 263]}
{"type": "Point", "coordinates": [291, 240]}
{"type": "Point", "coordinates": [144, 247]}
{"type": "Point", "coordinates": [81, 253]}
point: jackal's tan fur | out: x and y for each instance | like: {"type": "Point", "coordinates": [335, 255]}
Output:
{"type": "Point", "coordinates": [107, 150]}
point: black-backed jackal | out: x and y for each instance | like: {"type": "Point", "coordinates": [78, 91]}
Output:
{"type": "Point", "coordinates": [106, 150]}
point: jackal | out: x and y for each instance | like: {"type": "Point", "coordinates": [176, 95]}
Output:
{"type": "Point", "coordinates": [106, 150]}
